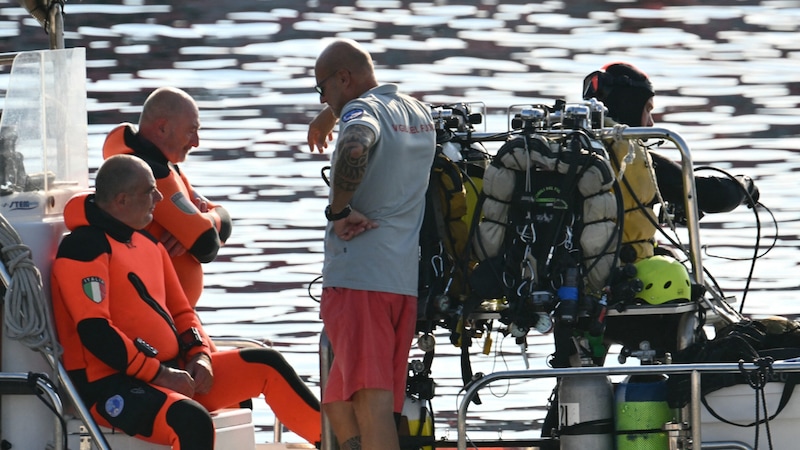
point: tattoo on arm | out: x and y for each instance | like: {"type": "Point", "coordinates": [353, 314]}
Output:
{"type": "Point", "coordinates": [354, 443]}
{"type": "Point", "coordinates": [352, 155]}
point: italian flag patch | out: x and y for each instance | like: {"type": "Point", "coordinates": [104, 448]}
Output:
{"type": "Point", "coordinates": [94, 288]}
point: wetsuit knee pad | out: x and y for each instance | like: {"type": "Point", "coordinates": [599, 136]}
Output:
{"type": "Point", "coordinates": [192, 423]}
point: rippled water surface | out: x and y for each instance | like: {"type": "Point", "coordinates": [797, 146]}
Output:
{"type": "Point", "coordinates": [725, 72]}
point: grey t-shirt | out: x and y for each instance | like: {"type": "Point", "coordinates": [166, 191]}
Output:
{"type": "Point", "coordinates": [392, 193]}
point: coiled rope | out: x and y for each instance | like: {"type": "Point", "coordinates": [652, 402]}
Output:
{"type": "Point", "coordinates": [26, 309]}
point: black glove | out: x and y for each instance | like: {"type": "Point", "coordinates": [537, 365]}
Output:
{"type": "Point", "coordinates": [750, 187]}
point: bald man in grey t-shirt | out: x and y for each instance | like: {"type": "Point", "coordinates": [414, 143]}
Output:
{"type": "Point", "coordinates": [379, 176]}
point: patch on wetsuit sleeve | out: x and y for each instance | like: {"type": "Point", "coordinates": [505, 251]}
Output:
{"type": "Point", "coordinates": [94, 288]}
{"type": "Point", "coordinates": [182, 203]}
{"type": "Point", "coordinates": [352, 114]}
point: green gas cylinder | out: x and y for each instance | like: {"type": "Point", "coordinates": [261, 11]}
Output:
{"type": "Point", "coordinates": [641, 412]}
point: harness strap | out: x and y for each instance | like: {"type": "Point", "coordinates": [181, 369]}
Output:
{"type": "Point", "coordinates": [599, 426]}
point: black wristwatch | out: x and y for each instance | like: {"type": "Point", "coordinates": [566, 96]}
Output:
{"type": "Point", "coordinates": [190, 338]}
{"type": "Point", "coordinates": [338, 216]}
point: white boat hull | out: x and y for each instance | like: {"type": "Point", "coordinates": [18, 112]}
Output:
{"type": "Point", "coordinates": [737, 404]}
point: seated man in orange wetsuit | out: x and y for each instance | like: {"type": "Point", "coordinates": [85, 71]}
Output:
{"type": "Point", "coordinates": [132, 342]}
{"type": "Point", "coordinates": [190, 227]}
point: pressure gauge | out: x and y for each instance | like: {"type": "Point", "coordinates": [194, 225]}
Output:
{"type": "Point", "coordinates": [426, 342]}
{"type": "Point", "coordinates": [544, 323]}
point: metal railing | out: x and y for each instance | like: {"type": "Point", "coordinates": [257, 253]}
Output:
{"type": "Point", "coordinates": [694, 370]}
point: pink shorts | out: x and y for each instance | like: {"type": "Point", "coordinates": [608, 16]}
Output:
{"type": "Point", "coordinates": [370, 333]}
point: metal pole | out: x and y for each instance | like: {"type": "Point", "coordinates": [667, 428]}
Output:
{"type": "Point", "coordinates": [43, 385]}
{"type": "Point", "coordinates": [689, 188]}
{"type": "Point", "coordinates": [56, 26]}
{"type": "Point", "coordinates": [727, 445]}
{"type": "Point", "coordinates": [95, 433]}
{"type": "Point", "coordinates": [697, 437]}
{"type": "Point", "coordinates": [724, 310]}
{"type": "Point", "coordinates": [694, 369]}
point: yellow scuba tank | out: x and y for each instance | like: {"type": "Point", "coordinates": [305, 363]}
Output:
{"type": "Point", "coordinates": [416, 420]}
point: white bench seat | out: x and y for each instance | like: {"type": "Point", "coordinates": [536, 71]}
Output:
{"type": "Point", "coordinates": [235, 430]}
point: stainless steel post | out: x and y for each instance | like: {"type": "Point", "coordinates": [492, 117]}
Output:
{"type": "Point", "coordinates": [697, 436]}
{"type": "Point", "coordinates": [56, 26]}
{"type": "Point", "coordinates": [721, 308]}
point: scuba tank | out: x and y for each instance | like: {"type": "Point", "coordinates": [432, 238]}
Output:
{"type": "Point", "coordinates": [642, 411]}
{"type": "Point", "coordinates": [586, 412]}
{"type": "Point", "coordinates": [416, 421]}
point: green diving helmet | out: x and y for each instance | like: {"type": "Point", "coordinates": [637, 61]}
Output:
{"type": "Point", "coordinates": [664, 279]}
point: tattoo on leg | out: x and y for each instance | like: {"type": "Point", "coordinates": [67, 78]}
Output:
{"type": "Point", "coordinates": [354, 443]}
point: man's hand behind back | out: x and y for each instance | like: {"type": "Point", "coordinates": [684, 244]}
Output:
{"type": "Point", "coordinates": [353, 225]}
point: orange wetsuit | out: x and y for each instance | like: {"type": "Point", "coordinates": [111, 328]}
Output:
{"type": "Point", "coordinates": [121, 314]}
{"type": "Point", "coordinates": [200, 233]}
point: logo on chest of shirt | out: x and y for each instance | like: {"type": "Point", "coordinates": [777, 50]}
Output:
{"type": "Point", "coordinates": [94, 288]}
{"type": "Point", "coordinates": [352, 114]}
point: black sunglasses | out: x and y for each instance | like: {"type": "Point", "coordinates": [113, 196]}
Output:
{"type": "Point", "coordinates": [320, 90]}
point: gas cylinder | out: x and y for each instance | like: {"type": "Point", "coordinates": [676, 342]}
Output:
{"type": "Point", "coordinates": [418, 419]}
{"type": "Point", "coordinates": [586, 412]}
{"type": "Point", "coordinates": [641, 412]}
